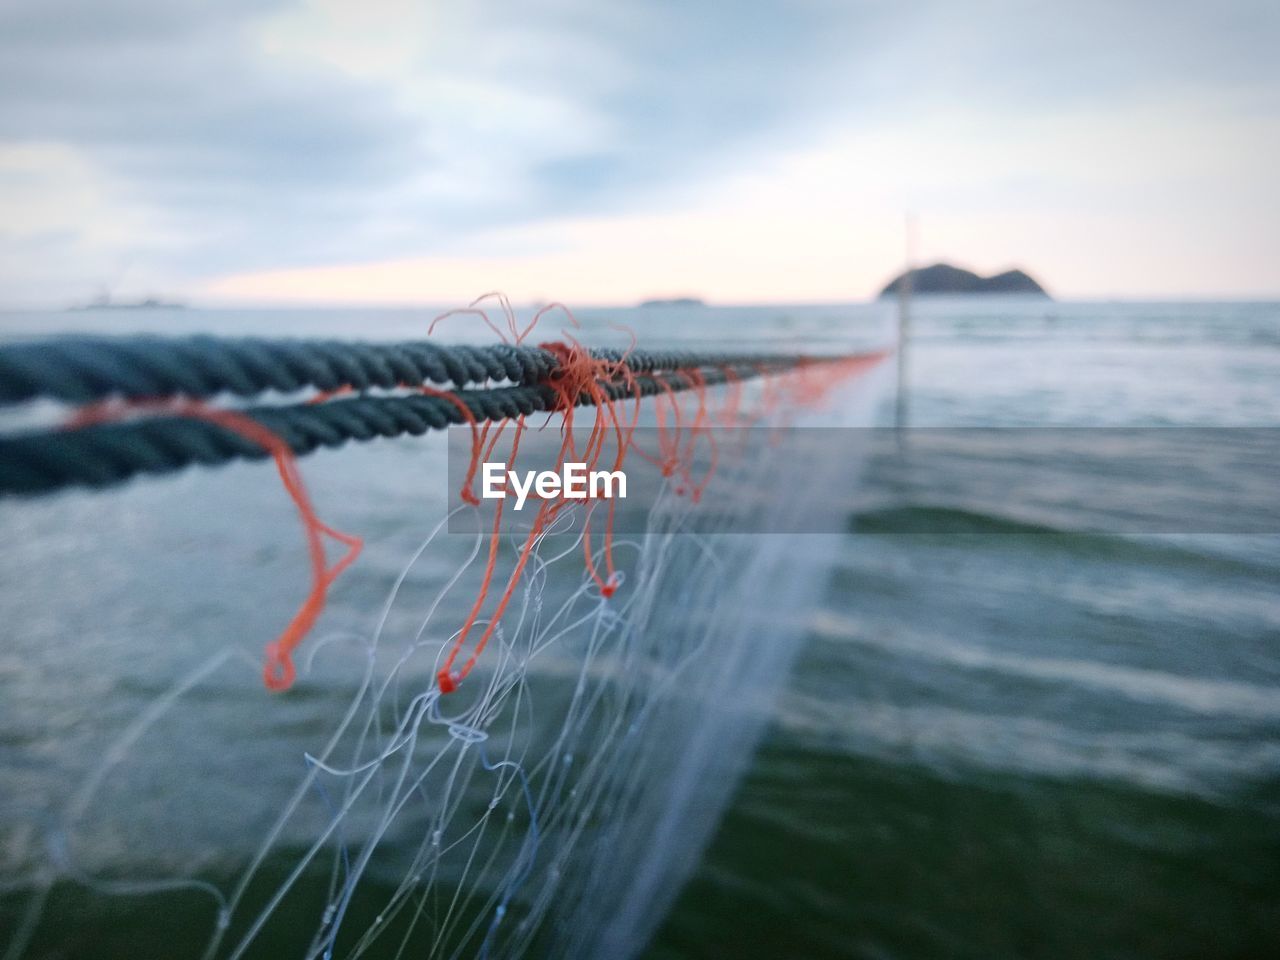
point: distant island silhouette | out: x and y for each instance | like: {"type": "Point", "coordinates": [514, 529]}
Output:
{"type": "Point", "coordinates": [104, 302]}
{"type": "Point", "coordinates": [674, 302]}
{"type": "Point", "coordinates": [945, 278]}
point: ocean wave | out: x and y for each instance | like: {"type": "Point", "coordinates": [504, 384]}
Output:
{"type": "Point", "coordinates": [1168, 550]}
{"type": "Point", "coordinates": [946, 738]}
{"type": "Point", "coordinates": [1195, 694]}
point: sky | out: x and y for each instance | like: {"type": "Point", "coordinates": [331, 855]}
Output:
{"type": "Point", "coordinates": [603, 151]}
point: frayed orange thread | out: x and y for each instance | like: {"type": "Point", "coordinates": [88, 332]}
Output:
{"type": "Point", "coordinates": [577, 378]}
{"type": "Point", "coordinates": [611, 373]}
{"type": "Point", "coordinates": [278, 672]}
{"type": "Point", "coordinates": [730, 414]}
{"type": "Point", "coordinates": [577, 375]}
{"type": "Point", "coordinates": [447, 677]}
{"type": "Point", "coordinates": [592, 373]}
{"type": "Point", "coordinates": [699, 429]}
{"type": "Point", "coordinates": [668, 458]}
{"type": "Point", "coordinates": [467, 493]}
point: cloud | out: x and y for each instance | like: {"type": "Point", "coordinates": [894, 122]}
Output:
{"type": "Point", "coordinates": [257, 138]}
{"type": "Point", "coordinates": [208, 138]}
{"type": "Point", "coordinates": [226, 154]}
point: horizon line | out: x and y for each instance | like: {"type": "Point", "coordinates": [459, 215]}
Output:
{"type": "Point", "coordinates": [275, 304]}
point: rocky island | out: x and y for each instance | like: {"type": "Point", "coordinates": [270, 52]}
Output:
{"type": "Point", "coordinates": [943, 278]}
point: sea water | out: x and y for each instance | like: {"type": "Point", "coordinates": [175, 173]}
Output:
{"type": "Point", "coordinates": [1008, 735]}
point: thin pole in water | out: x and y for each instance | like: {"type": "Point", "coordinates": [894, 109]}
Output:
{"type": "Point", "coordinates": [904, 327]}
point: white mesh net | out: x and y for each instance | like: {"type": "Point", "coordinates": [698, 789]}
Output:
{"type": "Point", "coordinates": [553, 804]}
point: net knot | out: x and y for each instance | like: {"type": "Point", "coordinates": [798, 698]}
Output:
{"type": "Point", "coordinates": [448, 680]}
{"type": "Point", "coordinates": [278, 671]}
{"type": "Point", "coordinates": [575, 373]}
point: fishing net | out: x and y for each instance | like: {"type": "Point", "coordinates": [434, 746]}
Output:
{"type": "Point", "coordinates": [539, 725]}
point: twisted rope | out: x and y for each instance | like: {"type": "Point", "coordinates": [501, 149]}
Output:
{"type": "Point", "coordinates": [85, 369]}
{"type": "Point", "coordinates": [107, 454]}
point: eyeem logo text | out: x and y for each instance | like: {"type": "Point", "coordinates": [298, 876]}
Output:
{"type": "Point", "coordinates": [574, 482]}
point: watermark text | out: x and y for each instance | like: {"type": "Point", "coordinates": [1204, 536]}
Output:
{"type": "Point", "coordinates": [573, 482]}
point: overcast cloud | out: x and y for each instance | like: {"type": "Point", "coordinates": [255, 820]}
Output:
{"type": "Point", "coordinates": [179, 144]}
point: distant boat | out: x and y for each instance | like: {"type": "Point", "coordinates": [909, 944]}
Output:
{"type": "Point", "coordinates": [674, 302]}
{"type": "Point", "coordinates": [104, 302]}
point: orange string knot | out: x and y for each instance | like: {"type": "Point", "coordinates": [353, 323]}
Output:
{"type": "Point", "coordinates": [448, 680]}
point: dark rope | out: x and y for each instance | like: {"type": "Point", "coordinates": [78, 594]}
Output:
{"type": "Point", "coordinates": [107, 454]}
{"type": "Point", "coordinates": [85, 369]}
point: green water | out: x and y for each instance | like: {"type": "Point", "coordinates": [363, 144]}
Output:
{"type": "Point", "coordinates": [1005, 738]}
